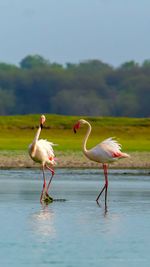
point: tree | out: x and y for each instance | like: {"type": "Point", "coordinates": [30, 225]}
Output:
{"type": "Point", "coordinates": [127, 104]}
{"type": "Point", "coordinates": [129, 65]}
{"type": "Point", "coordinates": [7, 67]}
{"type": "Point", "coordinates": [146, 63]}
{"type": "Point", "coordinates": [88, 88]}
{"type": "Point", "coordinates": [77, 103]}
{"type": "Point", "coordinates": [34, 61]}
{"type": "Point", "coordinates": [7, 101]}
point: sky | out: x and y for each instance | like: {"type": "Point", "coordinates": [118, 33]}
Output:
{"type": "Point", "coordinates": [71, 31]}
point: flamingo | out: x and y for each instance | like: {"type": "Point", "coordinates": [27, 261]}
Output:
{"type": "Point", "coordinates": [41, 151]}
{"type": "Point", "coordinates": [105, 152]}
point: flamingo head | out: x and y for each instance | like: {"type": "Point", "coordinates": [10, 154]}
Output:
{"type": "Point", "coordinates": [42, 120]}
{"type": "Point", "coordinates": [78, 124]}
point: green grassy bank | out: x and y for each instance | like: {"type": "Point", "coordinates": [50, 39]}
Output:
{"type": "Point", "coordinates": [17, 132]}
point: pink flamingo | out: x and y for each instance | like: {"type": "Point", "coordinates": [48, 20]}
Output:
{"type": "Point", "coordinates": [105, 152]}
{"type": "Point", "coordinates": [41, 151]}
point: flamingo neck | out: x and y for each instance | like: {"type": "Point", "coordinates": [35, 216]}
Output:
{"type": "Point", "coordinates": [84, 149]}
{"type": "Point", "coordinates": [33, 145]}
{"type": "Point", "coordinates": [37, 135]}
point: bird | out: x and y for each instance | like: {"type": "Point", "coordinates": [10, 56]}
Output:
{"type": "Point", "coordinates": [105, 152]}
{"type": "Point", "coordinates": [41, 151]}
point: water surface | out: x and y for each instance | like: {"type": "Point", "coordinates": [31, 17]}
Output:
{"type": "Point", "coordinates": [76, 232]}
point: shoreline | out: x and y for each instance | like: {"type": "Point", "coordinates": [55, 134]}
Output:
{"type": "Point", "coordinates": [21, 159]}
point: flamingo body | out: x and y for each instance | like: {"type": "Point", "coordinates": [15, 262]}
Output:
{"type": "Point", "coordinates": [41, 151]}
{"type": "Point", "coordinates": [105, 152]}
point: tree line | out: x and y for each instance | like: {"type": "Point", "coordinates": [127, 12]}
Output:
{"type": "Point", "coordinates": [87, 88]}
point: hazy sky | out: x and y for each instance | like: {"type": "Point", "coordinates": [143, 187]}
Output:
{"type": "Point", "coordinates": [62, 31]}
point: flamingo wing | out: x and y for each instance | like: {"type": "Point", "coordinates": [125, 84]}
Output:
{"type": "Point", "coordinates": [47, 150]}
{"type": "Point", "coordinates": [110, 145]}
{"type": "Point", "coordinates": [43, 152]}
{"type": "Point", "coordinates": [46, 146]}
{"type": "Point", "coordinates": [106, 151]}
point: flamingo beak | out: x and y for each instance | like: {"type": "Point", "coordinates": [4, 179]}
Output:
{"type": "Point", "coordinates": [76, 127]}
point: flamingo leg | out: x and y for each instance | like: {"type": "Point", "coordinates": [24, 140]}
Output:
{"type": "Point", "coordinates": [44, 190]}
{"type": "Point", "coordinates": [106, 183]}
{"type": "Point", "coordinates": [52, 172]}
{"type": "Point", "coordinates": [100, 193]}
{"type": "Point", "coordinates": [105, 186]}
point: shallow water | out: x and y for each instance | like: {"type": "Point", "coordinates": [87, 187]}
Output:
{"type": "Point", "coordinates": [76, 232]}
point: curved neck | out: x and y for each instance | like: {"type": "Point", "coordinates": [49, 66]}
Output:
{"type": "Point", "coordinates": [84, 149]}
{"type": "Point", "coordinates": [37, 135]}
{"type": "Point", "coordinates": [33, 145]}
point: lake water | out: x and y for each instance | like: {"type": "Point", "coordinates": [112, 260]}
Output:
{"type": "Point", "coordinates": [77, 232]}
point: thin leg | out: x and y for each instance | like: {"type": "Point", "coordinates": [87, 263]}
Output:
{"type": "Point", "coordinates": [105, 186]}
{"type": "Point", "coordinates": [44, 184]}
{"type": "Point", "coordinates": [100, 193]}
{"type": "Point", "coordinates": [52, 172]}
{"type": "Point", "coordinates": [106, 183]}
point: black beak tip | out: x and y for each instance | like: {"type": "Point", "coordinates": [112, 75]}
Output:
{"type": "Point", "coordinates": [75, 131]}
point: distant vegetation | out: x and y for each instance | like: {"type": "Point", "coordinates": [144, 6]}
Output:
{"type": "Point", "coordinates": [88, 88]}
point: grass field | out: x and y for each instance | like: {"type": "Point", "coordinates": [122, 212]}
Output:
{"type": "Point", "coordinates": [17, 132]}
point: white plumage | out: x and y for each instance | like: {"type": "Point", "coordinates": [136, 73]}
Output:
{"type": "Point", "coordinates": [44, 152]}
{"type": "Point", "coordinates": [41, 151]}
{"type": "Point", "coordinates": [105, 152]}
